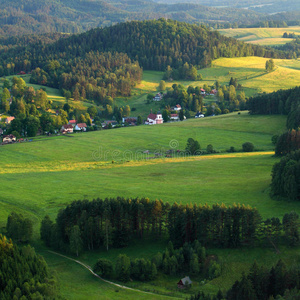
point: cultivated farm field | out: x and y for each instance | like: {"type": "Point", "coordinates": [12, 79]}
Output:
{"type": "Point", "coordinates": [261, 36]}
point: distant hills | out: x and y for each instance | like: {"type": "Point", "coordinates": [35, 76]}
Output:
{"type": "Point", "coordinates": [18, 17]}
{"type": "Point", "coordinates": [155, 44]}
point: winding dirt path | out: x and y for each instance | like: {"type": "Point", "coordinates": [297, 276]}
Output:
{"type": "Point", "coordinates": [107, 281]}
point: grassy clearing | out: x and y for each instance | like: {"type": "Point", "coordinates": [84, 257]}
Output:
{"type": "Point", "coordinates": [261, 36]}
{"type": "Point", "coordinates": [251, 74]}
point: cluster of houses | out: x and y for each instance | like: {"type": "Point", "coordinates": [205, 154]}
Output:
{"type": "Point", "coordinates": [154, 119]}
{"type": "Point", "coordinates": [73, 125]}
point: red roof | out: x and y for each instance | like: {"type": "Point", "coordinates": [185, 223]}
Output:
{"type": "Point", "coordinates": [178, 106]}
{"type": "Point", "coordinates": [72, 121]}
{"type": "Point", "coordinates": [174, 115]}
{"type": "Point", "coordinates": [67, 126]}
{"type": "Point", "coordinates": [9, 119]}
{"type": "Point", "coordinates": [152, 116]}
{"type": "Point", "coordinates": [81, 125]}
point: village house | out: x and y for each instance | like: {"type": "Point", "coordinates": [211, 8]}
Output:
{"type": "Point", "coordinates": [131, 121]}
{"type": "Point", "coordinates": [157, 97]}
{"type": "Point", "coordinates": [184, 282]}
{"type": "Point", "coordinates": [68, 128]}
{"type": "Point", "coordinates": [153, 119]}
{"type": "Point", "coordinates": [213, 92]}
{"type": "Point", "coordinates": [107, 122]}
{"type": "Point", "coordinates": [9, 119]}
{"type": "Point", "coordinates": [199, 115]}
{"type": "Point", "coordinates": [174, 117]}
{"type": "Point", "coordinates": [81, 127]}
{"type": "Point", "coordinates": [177, 107]}
{"type": "Point", "coordinates": [203, 92]}
{"type": "Point", "coordinates": [72, 122]}
{"type": "Point", "coordinates": [9, 139]}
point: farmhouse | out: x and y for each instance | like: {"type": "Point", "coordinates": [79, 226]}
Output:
{"type": "Point", "coordinates": [9, 119]}
{"type": "Point", "coordinates": [153, 119]}
{"type": "Point", "coordinates": [203, 92]}
{"type": "Point", "coordinates": [81, 127]}
{"type": "Point", "coordinates": [174, 117]}
{"type": "Point", "coordinates": [177, 107]}
{"type": "Point", "coordinates": [9, 139]}
{"type": "Point", "coordinates": [131, 121]}
{"type": "Point", "coordinates": [157, 97]}
{"type": "Point", "coordinates": [184, 282]}
{"type": "Point", "coordinates": [107, 122]}
{"type": "Point", "coordinates": [213, 92]}
{"type": "Point", "coordinates": [68, 128]}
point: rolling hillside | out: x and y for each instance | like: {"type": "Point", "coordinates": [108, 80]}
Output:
{"type": "Point", "coordinates": [261, 36]}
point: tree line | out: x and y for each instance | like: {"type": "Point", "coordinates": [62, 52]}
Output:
{"type": "Point", "coordinates": [114, 222]}
{"type": "Point", "coordinates": [279, 282]}
{"type": "Point", "coordinates": [286, 176]}
{"type": "Point", "coordinates": [191, 259]}
{"type": "Point", "coordinates": [155, 44]}
{"type": "Point", "coordinates": [24, 274]}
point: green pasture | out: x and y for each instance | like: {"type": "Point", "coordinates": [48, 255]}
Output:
{"type": "Point", "coordinates": [250, 73]}
{"type": "Point", "coordinates": [261, 36]}
{"type": "Point", "coordinates": [43, 176]}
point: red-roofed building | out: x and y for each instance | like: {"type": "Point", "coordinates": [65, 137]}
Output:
{"type": "Point", "coordinates": [202, 92]}
{"type": "Point", "coordinates": [81, 127]}
{"type": "Point", "coordinates": [213, 92]}
{"type": "Point", "coordinates": [174, 117]}
{"type": "Point", "coordinates": [153, 119]}
{"type": "Point", "coordinates": [177, 107]}
{"type": "Point", "coordinates": [9, 119]}
{"type": "Point", "coordinates": [72, 122]}
{"type": "Point", "coordinates": [68, 128]}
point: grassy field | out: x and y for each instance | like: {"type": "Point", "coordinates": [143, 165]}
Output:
{"type": "Point", "coordinates": [261, 36]}
{"type": "Point", "coordinates": [40, 177]}
{"type": "Point", "coordinates": [250, 72]}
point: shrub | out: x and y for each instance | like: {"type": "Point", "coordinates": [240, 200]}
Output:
{"type": "Point", "coordinates": [248, 147]}
{"type": "Point", "coordinates": [104, 268]}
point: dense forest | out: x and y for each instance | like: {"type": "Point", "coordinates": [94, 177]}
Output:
{"type": "Point", "coordinates": [23, 273]}
{"type": "Point", "coordinates": [154, 44]}
{"type": "Point", "coordinates": [113, 222]}
{"type": "Point", "coordinates": [44, 16]}
{"type": "Point", "coordinates": [280, 282]}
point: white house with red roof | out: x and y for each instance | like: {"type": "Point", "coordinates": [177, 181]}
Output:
{"type": "Point", "coordinates": [174, 117]}
{"type": "Point", "coordinates": [68, 128]}
{"type": "Point", "coordinates": [203, 92]}
{"type": "Point", "coordinates": [153, 119]}
{"type": "Point", "coordinates": [177, 107]}
{"type": "Point", "coordinates": [81, 127]}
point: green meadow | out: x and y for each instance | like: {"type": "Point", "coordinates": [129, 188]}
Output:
{"type": "Point", "coordinates": [42, 176]}
{"type": "Point", "coordinates": [261, 36]}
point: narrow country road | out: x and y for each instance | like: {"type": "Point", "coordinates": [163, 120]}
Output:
{"type": "Point", "coordinates": [107, 281]}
